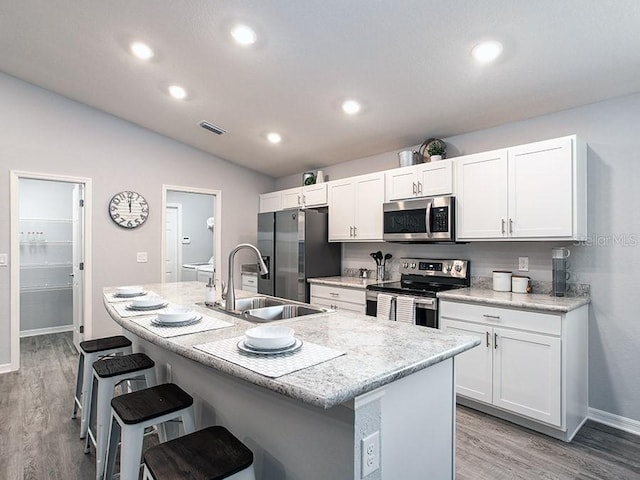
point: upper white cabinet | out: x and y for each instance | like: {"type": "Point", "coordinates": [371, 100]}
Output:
{"type": "Point", "coordinates": [299, 197]}
{"type": "Point", "coordinates": [423, 180]}
{"type": "Point", "coordinates": [529, 192]}
{"type": "Point", "coordinates": [355, 208]}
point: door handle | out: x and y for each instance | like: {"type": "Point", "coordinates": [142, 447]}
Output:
{"type": "Point", "coordinates": [510, 226]}
{"type": "Point", "coordinates": [495, 340]}
{"type": "Point", "coordinates": [495, 317]}
{"type": "Point", "coordinates": [503, 223]}
{"type": "Point", "coordinates": [71, 274]}
{"type": "Point", "coordinates": [415, 188]}
{"type": "Point", "coordinates": [351, 231]}
{"type": "Point", "coordinates": [428, 222]}
{"type": "Point", "coordinates": [298, 199]}
{"type": "Point", "coordinates": [355, 231]}
{"type": "Point", "coordinates": [488, 340]}
{"type": "Point", "coordinates": [420, 188]}
{"type": "Point", "coordinates": [304, 199]}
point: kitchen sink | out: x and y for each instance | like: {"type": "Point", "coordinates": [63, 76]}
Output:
{"type": "Point", "coordinates": [279, 312]}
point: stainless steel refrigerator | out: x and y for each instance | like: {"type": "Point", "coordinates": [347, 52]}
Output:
{"type": "Point", "coordinates": [294, 246]}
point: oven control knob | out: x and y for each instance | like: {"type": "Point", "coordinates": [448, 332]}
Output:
{"type": "Point", "coordinates": [405, 265]}
{"type": "Point", "coordinates": [458, 268]}
{"type": "Point", "coordinates": [413, 265]}
{"type": "Point", "coordinates": [448, 268]}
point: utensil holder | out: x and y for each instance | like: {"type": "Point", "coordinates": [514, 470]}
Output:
{"type": "Point", "coordinates": [380, 272]}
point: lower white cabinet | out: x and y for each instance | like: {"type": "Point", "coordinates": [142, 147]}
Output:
{"type": "Point", "coordinates": [531, 364]}
{"type": "Point", "coordinates": [339, 298]}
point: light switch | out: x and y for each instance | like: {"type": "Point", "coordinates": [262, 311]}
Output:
{"type": "Point", "coordinates": [4, 259]}
{"type": "Point", "coordinates": [186, 240]}
{"type": "Point", "coordinates": [142, 257]}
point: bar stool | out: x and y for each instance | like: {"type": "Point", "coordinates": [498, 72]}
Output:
{"type": "Point", "coordinates": [131, 413]}
{"type": "Point", "coordinates": [209, 454]}
{"type": "Point", "coordinates": [90, 351]}
{"type": "Point", "coordinates": [107, 373]}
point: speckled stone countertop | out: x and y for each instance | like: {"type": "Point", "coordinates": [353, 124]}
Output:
{"type": "Point", "coordinates": [352, 282]}
{"type": "Point", "coordinates": [529, 301]}
{"type": "Point", "coordinates": [377, 352]}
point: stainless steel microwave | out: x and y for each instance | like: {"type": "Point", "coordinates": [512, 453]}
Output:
{"type": "Point", "coordinates": [425, 220]}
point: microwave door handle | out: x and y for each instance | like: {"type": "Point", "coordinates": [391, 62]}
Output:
{"type": "Point", "coordinates": [429, 205]}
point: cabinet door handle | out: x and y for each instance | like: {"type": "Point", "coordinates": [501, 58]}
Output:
{"type": "Point", "coordinates": [510, 226]}
{"type": "Point", "coordinates": [495, 317]}
{"type": "Point", "coordinates": [355, 231]}
{"type": "Point", "coordinates": [488, 340]}
{"type": "Point", "coordinates": [351, 231]}
{"type": "Point", "coordinates": [415, 188]}
{"type": "Point", "coordinates": [304, 199]}
{"type": "Point", "coordinates": [495, 340]}
{"type": "Point", "coordinates": [298, 199]}
{"type": "Point", "coordinates": [503, 223]}
{"type": "Point", "coordinates": [420, 188]}
{"type": "Point", "coordinates": [334, 294]}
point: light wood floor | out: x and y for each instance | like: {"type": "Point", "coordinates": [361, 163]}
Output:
{"type": "Point", "coordinates": [38, 439]}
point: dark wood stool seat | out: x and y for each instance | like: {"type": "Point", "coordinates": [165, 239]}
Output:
{"type": "Point", "coordinates": [209, 454]}
{"type": "Point", "coordinates": [112, 366]}
{"type": "Point", "coordinates": [143, 405]}
{"type": "Point", "coordinates": [106, 343]}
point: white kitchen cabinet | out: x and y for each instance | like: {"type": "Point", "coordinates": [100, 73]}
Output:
{"type": "Point", "coordinates": [423, 180]}
{"type": "Point", "coordinates": [355, 208]}
{"type": "Point", "coordinates": [529, 365]}
{"type": "Point", "coordinates": [339, 298]}
{"type": "Point", "coordinates": [271, 202]}
{"type": "Point", "coordinates": [528, 192]}
{"type": "Point", "coordinates": [250, 282]}
{"type": "Point", "coordinates": [303, 197]}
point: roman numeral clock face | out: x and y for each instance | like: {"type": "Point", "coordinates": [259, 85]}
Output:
{"type": "Point", "coordinates": [128, 209]}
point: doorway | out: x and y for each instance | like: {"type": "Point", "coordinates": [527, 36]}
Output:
{"type": "Point", "coordinates": [191, 239]}
{"type": "Point", "coordinates": [49, 257]}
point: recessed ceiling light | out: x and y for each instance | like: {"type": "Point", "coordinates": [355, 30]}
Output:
{"type": "Point", "coordinates": [243, 35]}
{"type": "Point", "coordinates": [487, 52]}
{"type": "Point", "coordinates": [351, 107]}
{"type": "Point", "coordinates": [274, 137]}
{"type": "Point", "coordinates": [177, 92]}
{"type": "Point", "coordinates": [141, 50]}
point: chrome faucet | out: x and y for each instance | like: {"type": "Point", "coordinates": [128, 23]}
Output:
{"type": "Point", "coordinates": [230, 302]}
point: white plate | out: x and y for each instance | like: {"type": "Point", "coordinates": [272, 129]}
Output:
{"type": "Point", "coordinates": [269, 337]}
{"type": "Point", "coordinates": [148, 301]}
{"type": "Point", "coordinates": [292, 348]}
{"type": "Point", "coordinates": [130, 290]}
{"type": "Point", "coordinates": [191, 321]}
{"type": "Point", "coordinates": [133, 308]}
{"type": "Point", "coordinates": [174, 313]}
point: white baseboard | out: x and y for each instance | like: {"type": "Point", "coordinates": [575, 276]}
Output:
{"type": "Point", "coordinates": [6, 368]}
{"type": "Point", "coordinates": [46, 331]}
{"type": "Point", "coordinates": [616, 421]}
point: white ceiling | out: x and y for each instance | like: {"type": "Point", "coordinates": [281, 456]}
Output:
{"type": "Point", "coordinates": [408, 61]}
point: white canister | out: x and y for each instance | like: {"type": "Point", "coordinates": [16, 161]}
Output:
{"type": "Point", "coordinates": [520, 284]}
{"type": "Point", "coordinates": [319, 176]}
{"type": "Point", "coordinates": [502, 281]}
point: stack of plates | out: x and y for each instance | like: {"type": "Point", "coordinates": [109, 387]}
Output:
{"type": "Point", "coordinates": [129, 291]}
{"type": "Point", "coordinates": [269, 340]}
{"type": "Point", "coordinates": [175, 316]}
{"type": "Point", "coordinates": [151, 302]}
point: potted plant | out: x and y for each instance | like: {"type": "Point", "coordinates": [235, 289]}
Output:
{"type": "Point", "coordinates": [436, 149]}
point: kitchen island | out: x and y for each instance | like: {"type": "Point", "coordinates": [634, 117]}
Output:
{"type": "Point", "coordinates": [392, 386]}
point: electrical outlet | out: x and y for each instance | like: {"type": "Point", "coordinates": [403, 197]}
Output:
{"type": "Point", "coordinates": [169, 373]}
{"type": "Point", "coordinates": [523, 264]}
{"type": "Point", "coordinates": [141, 257]}
{"type": "Point", "coordinates": [4, 259]}
{"type": "Point", "coordinates": [370, 454]}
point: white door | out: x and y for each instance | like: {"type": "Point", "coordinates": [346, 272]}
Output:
{"type": "Point", "coordinates": [540, 193]}
{"type": "Point", "coordinates": [172, 244]}
{"type": "Point", "coordinates": [473, 367]}
{"type": "Point", "coordinates": [314, 195]}
{"type": "Point", "coordinates": [369, 197]}
{"type": "Point", "coordinates": [341, 210]}
{"type": "Point", "coordinates": [482, 195]}
{"type": "Point", "coordinates": [77, 259]}
{"type": "Point", "coordinates": [527, 374]}
{"type": "Point", "coordinates": [401, 183]}
{"type": "Point", "coordinates": [292, 198]}
{"type": "Point", "coordinates": [435, 178]}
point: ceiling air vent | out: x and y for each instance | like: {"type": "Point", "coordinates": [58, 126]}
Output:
{"type": "Point", "coordinates": [212, 128]}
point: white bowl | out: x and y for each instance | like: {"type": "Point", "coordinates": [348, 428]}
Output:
{"type": "Point", "coordinates": [148, 301]}
{"type": "Point", "coordinates": [130, 290]}
{"type": "Point", "coordinates": [269, 337]}
{"type": "Point", "coordinates": [175, 314]}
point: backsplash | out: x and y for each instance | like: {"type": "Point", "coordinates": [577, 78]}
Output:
{"type": "Point", "coordinates": [543, 288]}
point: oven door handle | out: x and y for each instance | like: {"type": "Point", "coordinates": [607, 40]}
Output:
{"type": "Point", "coordinates": [426, 302]}
{"type": "Point", "coordinates": [428, 223]}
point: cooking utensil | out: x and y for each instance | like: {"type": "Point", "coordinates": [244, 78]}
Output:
{"type": "Point", "coordinates": [379, 257]}
{"type": "Point", "coordinates": [375, 257]}
{"type": "Point", "coordinates": [387, 256]}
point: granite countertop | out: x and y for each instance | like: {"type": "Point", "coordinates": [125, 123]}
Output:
{"type": "Point", "coordinates": [378, 352]}
{"type": "Point", "coordinates": [530, 301]}
{"type": "Point", "coordinates": [351, 282]}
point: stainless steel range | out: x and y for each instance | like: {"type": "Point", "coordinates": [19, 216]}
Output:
{"type": "Point", "coordinates": [422, 279]}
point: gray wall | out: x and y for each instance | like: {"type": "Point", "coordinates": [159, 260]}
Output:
{"type": "Point", "coordinates": [608, 262]}
{"type": "Point", "coordinates": [196, 208]}
{"type": "Point", "coordinates": [45, 132]}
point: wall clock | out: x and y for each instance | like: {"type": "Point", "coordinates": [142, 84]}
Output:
{"type": "Point", "coordinates": [128, 209]}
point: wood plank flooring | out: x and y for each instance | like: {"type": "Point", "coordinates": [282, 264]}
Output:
{"type": "Point", "coordinates": [38, 439]}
